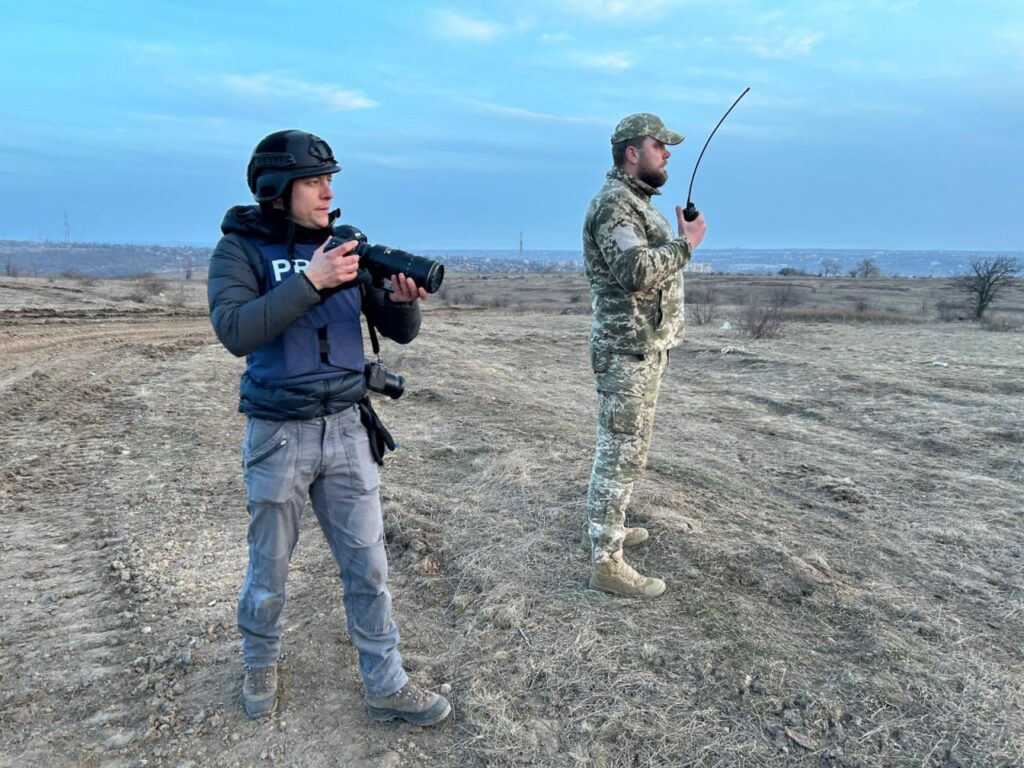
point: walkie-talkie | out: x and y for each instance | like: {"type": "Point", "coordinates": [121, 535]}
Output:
{"type": "Point", "coordinates": [690, 212]}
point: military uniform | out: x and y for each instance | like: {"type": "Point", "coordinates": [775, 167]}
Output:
{"type": "Point", "coordinates": [634, 262]}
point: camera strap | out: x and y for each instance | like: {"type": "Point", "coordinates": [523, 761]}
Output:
{"type": "Point", "coordinates": [374, 343]}
{"type": "Point", "coordinates": [380, 439]}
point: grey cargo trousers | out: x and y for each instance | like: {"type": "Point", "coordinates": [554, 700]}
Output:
{"type": "Point", "coordinates": [327, 460]}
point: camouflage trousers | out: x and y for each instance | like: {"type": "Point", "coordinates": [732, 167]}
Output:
{"type": "Point", "coordinates": [627, 391]}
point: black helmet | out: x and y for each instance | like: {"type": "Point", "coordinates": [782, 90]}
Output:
{"type": "Point", "coordinates": [284, 156]}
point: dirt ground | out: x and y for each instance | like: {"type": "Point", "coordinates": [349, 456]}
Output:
{"type": "Point", "coordinates": [837, 512]}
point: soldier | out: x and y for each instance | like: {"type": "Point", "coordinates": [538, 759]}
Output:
{"type": "Point", "coordinates": [293, 309]}
{"type": "Point", "coordinates": [634, 264]}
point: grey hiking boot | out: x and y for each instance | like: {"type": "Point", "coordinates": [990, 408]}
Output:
{"type": "Point", "coordinates": [410, 703]}
{"type": "Point", "coordinates": [259, 691]}
{"type": "Point", "coordinates": [616, 576]}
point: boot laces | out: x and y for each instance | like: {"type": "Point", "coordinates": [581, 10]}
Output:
{"type": "Point", "coordinates": [413, 693]}
{"type": "Point", "coordinates": [259, 679]}
{"type": "Point", "coordinates": [629, 573]}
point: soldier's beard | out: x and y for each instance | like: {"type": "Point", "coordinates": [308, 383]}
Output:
{"type": "Point", "coordinates": [656, 177]}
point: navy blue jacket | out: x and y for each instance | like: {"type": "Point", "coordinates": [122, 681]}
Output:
{"type": "Point", "coordinates": [261, 307]}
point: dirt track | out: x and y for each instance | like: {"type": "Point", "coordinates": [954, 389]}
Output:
{"type": "Point", "coordinates": [837, 513]}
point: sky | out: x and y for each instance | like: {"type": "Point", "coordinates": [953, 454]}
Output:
{"type": "Point", "coordinates": [889, 124]}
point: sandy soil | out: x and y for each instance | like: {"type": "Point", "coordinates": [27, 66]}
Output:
{"type": "Point", "coordinates": [837, 513]}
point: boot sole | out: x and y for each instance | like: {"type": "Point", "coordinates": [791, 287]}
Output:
{"type": "Point", "coordinates": [431, 716]}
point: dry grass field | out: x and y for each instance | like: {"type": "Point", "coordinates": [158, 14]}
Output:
{"type": "Point", "coordinates": [837, 511]}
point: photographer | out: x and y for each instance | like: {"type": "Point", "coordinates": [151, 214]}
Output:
{"type": "Point", "coordinates": [293, 309]}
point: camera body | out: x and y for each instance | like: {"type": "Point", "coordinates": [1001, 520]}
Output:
{"type": "Point", "coordinates": [382, 262]}
{"type": "Point", "coordinates": [379, 379]}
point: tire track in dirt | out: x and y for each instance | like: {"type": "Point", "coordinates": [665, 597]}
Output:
{"type": "Point", "coordinates": [66, 641]}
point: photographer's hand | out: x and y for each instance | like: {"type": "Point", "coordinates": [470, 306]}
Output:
{"type": "Point", "coordinates": [334, 267]}
{"type": "Point", "coordinates": [405, 290]}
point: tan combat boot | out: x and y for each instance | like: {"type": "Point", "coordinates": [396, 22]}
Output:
{"type": "Point", "coordinates": [616, 576]}
{"type": "Point", "coordinates": [634, 536]}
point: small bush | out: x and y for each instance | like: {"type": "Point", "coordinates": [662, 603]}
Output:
{"type": "Point", "coordinates": [705, 306]}
{"type": "Point", "coordinates": [760, 321]}
{"type": "Point", "coordinates": [1001, 323]}
{"type": "Point", "coordinates": [79, 277]}
{"type": "Point", "coordinates": [177, 298]}
{"type": "Point", "coordinates": [149, 284]}
{"type": "Point", "coordinates": [840, 315]}
{"type": "Point", "coordinates": [785, 296]}
{"type": "Point", "coordinates": [948, 311]}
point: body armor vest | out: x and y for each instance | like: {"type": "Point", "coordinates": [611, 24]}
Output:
{"type": "Point", "coordinates": [322, 343]}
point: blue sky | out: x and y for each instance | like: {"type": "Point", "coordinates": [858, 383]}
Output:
{"type": "Point", "coordinates": [870, 123]}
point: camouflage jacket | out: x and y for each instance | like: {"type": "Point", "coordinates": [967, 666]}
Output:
{"type": "Point", "coordinates": [634, 262]}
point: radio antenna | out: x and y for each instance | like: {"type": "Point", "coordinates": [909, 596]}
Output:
{"type": "Point", "coordinates": [690, 212]}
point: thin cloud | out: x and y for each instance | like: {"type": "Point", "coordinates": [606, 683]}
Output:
{"type": "Point", "coordinates": [616, 10]}
{"type": "Point", "coordinates": [455, 25]}
{"type": "Point", "coordinates": [264, 86]}
{"type": "Point", "coordinates": [177, 120]}
{"type": "Point", "coordinates": [526, 114]}
{"type": "Point", "coordinates": [616, 61]}
{"type": "Point", "coordinates": [790, 46]}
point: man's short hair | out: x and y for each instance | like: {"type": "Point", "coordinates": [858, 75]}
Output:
{"type": "Point", "coordinates": [619, 149]}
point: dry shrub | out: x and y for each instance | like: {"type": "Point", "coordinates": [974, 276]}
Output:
{"type": "Point", "coordinates": [761, 321]}
{"type": "Point", "coordinates": [148, 284]}
{"type": "Point", "coordinates": [785, 296]}
{"type": "Point", "coordinates": [706, 302]}
{"type": "Point", "coordinates": [840, 315]}
{"type": "Point", "coordinates": [79, 277]}
{"type": "Point", "coordinates": [1003, 323]}
{"type": "Point", "coordinates": [948, 311]}
{"type": "Point", "coordinates": [177, 299]}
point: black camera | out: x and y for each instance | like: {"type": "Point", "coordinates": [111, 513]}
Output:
{"type": "Point", "coordinates": [379, 380]}
{"type": "Point", "coordinates": [382, 262]}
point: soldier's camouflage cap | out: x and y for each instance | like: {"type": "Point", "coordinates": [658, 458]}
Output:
{"type": "Point", "coordinates": [644, 124]}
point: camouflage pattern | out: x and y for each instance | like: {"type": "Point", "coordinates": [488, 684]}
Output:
{"type": "Point", "coordinates": [644, 124]}
{"type": "Point", "coordinates": [627, 391]}
{"type": "Point", "coordinates": [634, 262]}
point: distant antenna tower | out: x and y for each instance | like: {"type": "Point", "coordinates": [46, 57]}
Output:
{"type": "Point", "coordinates": [67, 229]}
{"type": "Point", "coordinates": [520, 244]}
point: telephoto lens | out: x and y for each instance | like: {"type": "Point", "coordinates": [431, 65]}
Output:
{"type": "Point", "coordinates": [383, 262]}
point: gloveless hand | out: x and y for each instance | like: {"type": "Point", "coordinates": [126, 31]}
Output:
{"type": "Point", "coordinates": [328, 269]}
{"type": "Point", "coordinates": [405, 289]}
{"type": "Point", "coordinates": [693, 231]}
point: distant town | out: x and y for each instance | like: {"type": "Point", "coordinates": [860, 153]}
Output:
{"type": "Point", "coordinates": [29, 258]}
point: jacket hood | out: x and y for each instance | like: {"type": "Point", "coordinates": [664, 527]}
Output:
{"type": "Point", "coordinates": [253, 221]}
